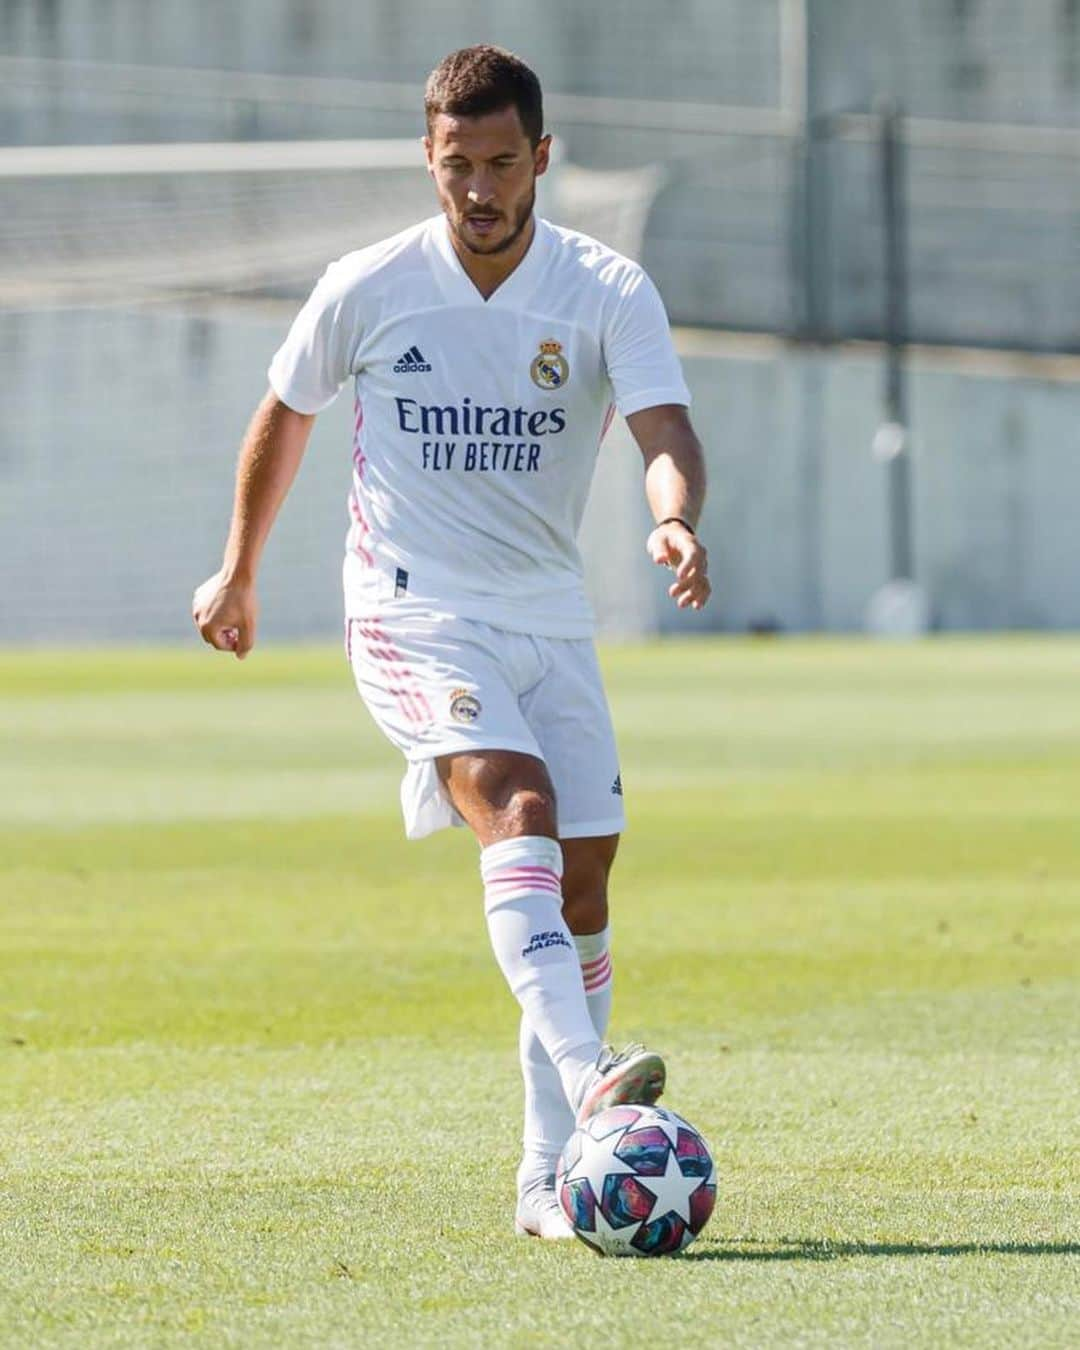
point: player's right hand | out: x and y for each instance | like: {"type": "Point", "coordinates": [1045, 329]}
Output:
{"type": "Point", "coordinates": [225, 613]}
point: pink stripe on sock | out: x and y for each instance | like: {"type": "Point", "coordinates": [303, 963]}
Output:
{"type": "Point", "coordinates": [525, 874]}
{"type": "Point", "coordinates": [502, 880]}
{"type": "Point", "coordinates": [525, 888]}
{"type": "Point", "coordinates": [598, 979]}
{"type": "Point", "coordinates": [587, 966]}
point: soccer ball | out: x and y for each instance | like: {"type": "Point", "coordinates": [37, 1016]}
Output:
{"type": "Point", "coordinates": [636, 1181]}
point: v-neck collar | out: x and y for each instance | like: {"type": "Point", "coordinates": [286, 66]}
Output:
{"type": "Point", "coordinates": [459, 287]}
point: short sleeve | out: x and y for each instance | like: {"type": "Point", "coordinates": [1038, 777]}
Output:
{"type": "Point", "coordinates": [641, 362]}
{"type": "Point", "coordinates": [316, 358]}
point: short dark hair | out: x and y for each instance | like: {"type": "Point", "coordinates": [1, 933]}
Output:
{"type": "Point", "coordinates": [479, 80]}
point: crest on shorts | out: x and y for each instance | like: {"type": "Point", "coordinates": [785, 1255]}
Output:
{"type": "Point", "coordinates": [550, 369]}
{"type": "Point", "coordinates": [464, 707]}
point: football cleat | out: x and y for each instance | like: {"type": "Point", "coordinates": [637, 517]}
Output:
{"type": "Point", "coordinates": [539, 1213]}
{"type": "Point", "coordinates": [635, 1077]}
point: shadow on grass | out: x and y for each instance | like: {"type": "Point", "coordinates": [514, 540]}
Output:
{"type": "Point", "coordinates": [819, 1249]}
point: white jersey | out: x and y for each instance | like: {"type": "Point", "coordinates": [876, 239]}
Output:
{"type": "Point", "coordinates": [478, 422]}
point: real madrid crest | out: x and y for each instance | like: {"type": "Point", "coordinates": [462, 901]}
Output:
{"type": "Point", "coordinates": [464, 707]}
{"type": "Point", "coordinates": [550, 369]}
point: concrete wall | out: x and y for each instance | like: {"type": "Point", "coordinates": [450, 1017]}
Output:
{"type": "Point", "coordinates": [993, 230]}
{"type": "Point", "coordinates": [709, 50]}
{"type": "Point", "coordinates": [798, 514]}
{"type": "Point", "coordinates": [120, 432]}
{"type": "Point", "coordinates": [989, 60]}
{"type": "Point", "coordinates": [982, 60]}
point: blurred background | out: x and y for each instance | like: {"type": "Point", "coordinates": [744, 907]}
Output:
{"type": "Point", "coordinates": [864, 219]}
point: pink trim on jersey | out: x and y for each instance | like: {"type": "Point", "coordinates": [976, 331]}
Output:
{"type": "Point", "coordinates": [359, 458]}
{"type": "Point", "coordinates": [608, 416]}
{"type": "Point", "coordinates": [360, 530]}
{"type": "Point", "coordinates": [361, 527]}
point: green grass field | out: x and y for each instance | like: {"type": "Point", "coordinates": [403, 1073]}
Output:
{"type": "Point", "coordinates": [259, 1078]}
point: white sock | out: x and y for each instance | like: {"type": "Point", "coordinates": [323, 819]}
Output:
{"type": "Point", "coordinates": [594, 953]}
{"type": "Point", "coordinates": [534, 949]}
{"type": "Point", "coordinates": [549, 1122]}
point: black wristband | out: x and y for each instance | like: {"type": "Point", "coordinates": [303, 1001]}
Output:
{"type": "Point", "coordinates": [677, 520]}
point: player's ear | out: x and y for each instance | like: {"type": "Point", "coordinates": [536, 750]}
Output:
{"type": "Point", "coordinates": [427, 153]}
{"type": "Point", "coordinates": [542, 155]}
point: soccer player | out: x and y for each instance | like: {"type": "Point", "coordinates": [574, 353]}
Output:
{"type": "Point", "coordinates": [488, 349]}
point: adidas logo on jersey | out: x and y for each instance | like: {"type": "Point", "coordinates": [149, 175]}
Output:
{"type": "Point", "coordinates": [411, 362]}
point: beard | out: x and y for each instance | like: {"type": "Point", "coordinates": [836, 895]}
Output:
{"type": "Point", "coordinates": [521, 219]}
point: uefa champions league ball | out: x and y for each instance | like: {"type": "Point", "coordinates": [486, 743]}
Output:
{"type": "Point", "coordinates": [636, 1181]}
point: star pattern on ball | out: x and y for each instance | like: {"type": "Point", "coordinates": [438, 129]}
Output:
{"type": "Point", "coordinates": [669, 1123]}
{"type": "Point", "coordinates": [641, 1181]}
{"type": "Point", "coordinates": [610, 1238]}
{"type": "Point", "coordinates": [598, 1158]}
{"type": "Point", "coordinates": [673, 1190]}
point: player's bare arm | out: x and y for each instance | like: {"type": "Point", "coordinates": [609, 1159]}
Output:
{"type": "Point", "coordinates": [225, 607]}
{"type": "Point", "coordinates": [675, 488]}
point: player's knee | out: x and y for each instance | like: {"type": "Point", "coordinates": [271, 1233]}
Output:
{"type": "Point", "coordinates": [515, 797]}
{"type": "Point", "coordinates": [585, 911]}
{"type": "Point", "coordinates": [585, 906]}
{"type": "Point", "coordinates": [528, 810]}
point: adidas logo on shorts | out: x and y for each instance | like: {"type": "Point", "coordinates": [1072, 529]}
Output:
{"type": "Point", "coordinates": [411, 362]}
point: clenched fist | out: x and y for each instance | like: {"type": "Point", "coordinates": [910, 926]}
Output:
{"type": "Point", "coordinates": [225, 613]}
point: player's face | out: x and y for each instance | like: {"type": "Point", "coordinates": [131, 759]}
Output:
{"type": "Point", "coordinates": [485, 174]}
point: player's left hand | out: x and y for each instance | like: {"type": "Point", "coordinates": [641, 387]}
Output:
{"type": "Point", "coordinates": [673, 545]}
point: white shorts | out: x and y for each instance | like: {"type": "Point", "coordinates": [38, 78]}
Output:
{"type": "Point", "coordinates": [437, 685]}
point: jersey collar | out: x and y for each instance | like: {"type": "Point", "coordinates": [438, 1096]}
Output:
{"type": "Point", "coordinates": [459, 288]}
